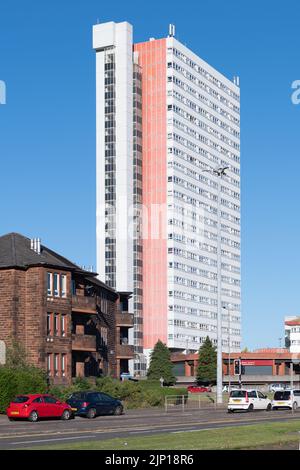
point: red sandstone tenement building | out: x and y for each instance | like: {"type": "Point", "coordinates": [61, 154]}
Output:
{"type": "Point", "coordinates": [69, 322]}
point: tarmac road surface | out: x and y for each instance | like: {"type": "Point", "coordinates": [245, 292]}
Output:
{"type": "Point", "coordinates": [24, 434]}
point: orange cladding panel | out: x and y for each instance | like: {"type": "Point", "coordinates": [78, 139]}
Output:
{"type": "Point", "coordinates": [152, 59]}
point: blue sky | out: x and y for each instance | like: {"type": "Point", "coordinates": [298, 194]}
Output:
{"type": "Point", "coordinates": [47, 129]}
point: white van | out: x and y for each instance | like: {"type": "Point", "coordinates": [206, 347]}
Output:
{"type": "Point", "coordinates": [286, 399]}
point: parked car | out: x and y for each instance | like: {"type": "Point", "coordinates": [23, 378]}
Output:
{"type": "Point", "coordinates": [34, 407]}
{"type": "Point", "coordinates": [248, 400]}
{"type": "Point", "coordinates": [276, 387]}
{"type": "Point", "coordinates": [286, 399]}
{"type": "Point", "coordinates": [232, 387]}
{"type": "Point", "coordinates": [198, 389]}
{"type": "Point", "coordinates": [127, 376]}
{"type": "Point", "coordinates": [91, 404]}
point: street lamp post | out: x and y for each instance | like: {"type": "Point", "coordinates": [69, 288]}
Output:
{"type": "Point", "coordinates": [219, 172]}
{"type": "Point", "coordinates": [229, 351]}
{"type": "Point", "coordinates": [293, 361]}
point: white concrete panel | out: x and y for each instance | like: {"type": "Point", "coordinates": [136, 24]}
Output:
{"type": "Point", "coordinates": [104, 35]}
{"type": "Point", "coordinates": [124, 160]}
{"type": "Point", "coordinates": [100, 166]}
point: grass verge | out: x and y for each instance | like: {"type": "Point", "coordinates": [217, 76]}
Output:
{"type": "Point", "coordinates": [239, 437]}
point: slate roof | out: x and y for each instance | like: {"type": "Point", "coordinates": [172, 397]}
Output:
{"type": "Point", "coordinates": [16, 252]}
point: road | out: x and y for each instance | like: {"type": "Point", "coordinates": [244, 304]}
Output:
{"type": "Point", "coordinates": [23, 434]}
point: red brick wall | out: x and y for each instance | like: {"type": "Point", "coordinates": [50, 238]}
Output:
{"type": "Point", "coordinates": [9, 302]}
{"type": "Point", "coordinates": [23, 316]}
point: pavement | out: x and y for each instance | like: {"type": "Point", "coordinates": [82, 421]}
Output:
{"type": "Point", "coordinates": [146, 422]}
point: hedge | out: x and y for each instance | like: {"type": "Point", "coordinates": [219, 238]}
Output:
{"type": "Point", "coordinates": [141, 394]}
{"type": "Point", "coordinates": [16, 381]}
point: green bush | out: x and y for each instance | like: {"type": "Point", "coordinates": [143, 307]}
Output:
{"type": "Point", "coordinates": [153, 398]}
{"type": "Point", "coordinates": [142, 394]}
{"type": "Point", "coordinates": [62, 392]}
{"type": "Point", "coordinates": [19, 381]}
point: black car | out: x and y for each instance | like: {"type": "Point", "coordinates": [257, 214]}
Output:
{"type": "Point", "coordinates": [92, 404]}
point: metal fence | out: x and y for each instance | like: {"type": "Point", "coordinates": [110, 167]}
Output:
{"type": "Point", "coordinates": [190, 402]}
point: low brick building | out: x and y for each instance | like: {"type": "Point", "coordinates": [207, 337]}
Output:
{"type": "Point", "coordinates": [262, 366]}
{"type": "Point", "coordinates": [68, 321]}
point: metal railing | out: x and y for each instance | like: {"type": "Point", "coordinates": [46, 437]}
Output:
{"type": "Point", "coordinates": [190, 402]}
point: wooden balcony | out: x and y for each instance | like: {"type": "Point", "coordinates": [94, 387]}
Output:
{"type": "Point", "coordinates": [125, 351]}
{"type": "Point", "coordinates": [83, 343]}
{"type": "Point", "coordinates": [83, 304]}
{"type": "Point", "coordinates": [124, 319]}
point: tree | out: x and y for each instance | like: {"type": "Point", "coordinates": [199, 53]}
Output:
{"type": "Point", "coordinates": [15, 355]}
{"type": "Point", "coordinates": [18, 376]}
{"type": "Point", "coordinates": [207, 363]}
{"type": "Point", "coordinates": [161, 365]}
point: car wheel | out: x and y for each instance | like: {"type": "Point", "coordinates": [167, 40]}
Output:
{"type": "Point", "coordinates": [269, 407]}
{"type": "Point", "coordinates": [230, 411]}
{"type": "Point", "coordinates": [33, 417]}
{"type": "Point", "coordinates": [11, 419]}
{"type": "Point", "coordinates": [91, 414]}
{"type": "Point", "coordinates": [251, 407]}
{"type": "Point", "coordinates": [66, 415]}
{"type": "Point", "coordinates": [295, 406]}
{"type": "Point", "coordinates": [118, 411]}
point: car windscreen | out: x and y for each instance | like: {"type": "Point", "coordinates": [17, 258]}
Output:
{"type": "Point", "coordinates": [238, 394]}
{"type": "Point", "coordinates": [21, 399]}
{"type": "Point", "coordinates": [282, 395]}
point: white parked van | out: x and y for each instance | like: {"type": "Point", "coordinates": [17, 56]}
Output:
{"type": "Point", "coordinates": [286, 399]}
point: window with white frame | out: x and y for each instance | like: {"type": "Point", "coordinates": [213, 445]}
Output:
{"type": "Point", "coordinates": [56, 284]}
{"type": "Point", "coordinates": [56, 324]}
{"type": "Point", "coordinates": [63, 325]}
{"type": "Point", "coordinates": [56, 360]}
{"type": "Point", "coordinates": [49, 324]}
{"type": "Point", "coordinates": [63, 365]}
{"type": "Point", "coordinates": [63, 285]}
{"type": "Point", "coordinates": [50, 284]}
{"type": "Point", "coordinates": [49, 360]}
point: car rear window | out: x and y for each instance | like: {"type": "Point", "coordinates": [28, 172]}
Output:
{"type": "Point", "coordinates": [238, 394]}
{"type": "Point", "coordinates": [77, 396]}
{"type": "Point", "coordinates": [282, 396]}
{"type": "Point", "coordinates": [21, 399]}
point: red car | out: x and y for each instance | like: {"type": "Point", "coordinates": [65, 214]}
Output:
{"type": "Point", "coordinates": [198, 389]}
{"type": "Point", "coordinates": [33, 407]}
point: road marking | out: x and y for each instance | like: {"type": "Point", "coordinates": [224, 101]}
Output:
{"type": "Point", "coordinates": [190, 430]}
{"type": "Point", "coordinates": [140, 432]}
{"type": "Point", "coordinates": [49, 440]}
{"type": "Point", "coordinates": [154, 427]}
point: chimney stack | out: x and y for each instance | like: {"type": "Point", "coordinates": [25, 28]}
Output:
{"type": "Point", "coordinates": [35, 245]}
